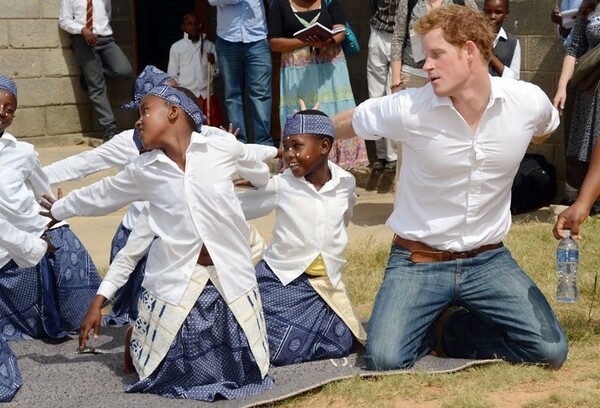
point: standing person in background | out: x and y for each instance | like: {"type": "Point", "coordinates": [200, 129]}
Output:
{"type": "Point", "coordinates": [315, 70]}
{"type": "Point", "coordinates": [574, 169]}
{"type": "Point", "coordinates": [556, 16]}
{"type": "Point", "coordinates": [378, 72]}
{"type": "Point", "coordinates": [584, 126]}
{"type": "Point", "coordinates": [245, 62]}
{"type": "Point", "coordinates": [506, 55]}
{"type": "Point", "coordinates": [190, 60]}
{"type": "Point", "coordinates": [97, 53]}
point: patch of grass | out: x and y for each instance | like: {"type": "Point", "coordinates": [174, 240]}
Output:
{"type": "Point", "coordinates": [578, 399]}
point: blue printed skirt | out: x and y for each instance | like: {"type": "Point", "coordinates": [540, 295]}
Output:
{"type": "Point", "coordinates": [209, 359]}
{"type": "Point", "coordinates": [52, 298]}
{"type": "Point", "coordinates": [10, 376]}
{"type": "Point", "coordinates": [300, 324]}
{"type": "Point", "coordinates": [125, 305]}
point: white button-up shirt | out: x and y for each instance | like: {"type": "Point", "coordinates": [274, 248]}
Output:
{"type": "Point", "coordinates": [117, 152]}
{"type": "Point", "coordinates": [186, 209]}
{"type": "Point", "coordinates": [455, 185]}
{"type": "Point", "coordinates": [308, 222]}
{"type": "Point", "coordinates": [513, 70]}
{"type": "Point", "coordinates": [120, 151]}
{"type": "Point", "coordinates": [188, 64]}
{"type": "Point", "coordinates": [73, 13]}
{"type": "Point", "coordinates": [22, 182]}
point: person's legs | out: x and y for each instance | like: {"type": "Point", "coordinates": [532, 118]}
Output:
{"type": "Point", "coordinates": [411, 297]}
{"type": "Point", "coordinates": [378, 78]}
{"type": "Point", "coordinates": [258, 79]}
{"type": "Point", "coordinates": [114, 61]}
{"type": "Point", "coordinates": [231, 56]}
{"type": "Point", "coordinates": [93, 72]}
{"type": "Point", "coordinates": [506, 315]}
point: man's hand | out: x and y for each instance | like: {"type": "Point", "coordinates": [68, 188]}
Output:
{"type": "Point", "coordinates": [90, 38]}
{"type": "Point", "coordinates": [571, 219]}
{"type": "Point", "coordinates": [91, 321]}
{"type": "Point", "coordinates": [211, 58]}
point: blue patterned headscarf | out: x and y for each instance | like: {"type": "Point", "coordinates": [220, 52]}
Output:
{"type": "Point", "coordinates": [176, 97]}
{"type": "Point", "coordinates": [149, 78]}
{"type": "Point", "coordinates": [8, 85]}
{"type": "Point", "coordinates": [308, 122]}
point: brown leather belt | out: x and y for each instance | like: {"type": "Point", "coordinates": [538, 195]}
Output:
{"type": "Point", "coordinates": [420, 252]}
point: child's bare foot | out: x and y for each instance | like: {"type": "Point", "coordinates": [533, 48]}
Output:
{"type": "Point", "coordinates": [128, 367]}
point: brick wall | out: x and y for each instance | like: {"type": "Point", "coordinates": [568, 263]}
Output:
{"type": "Point", "coordinates": [36, 54]}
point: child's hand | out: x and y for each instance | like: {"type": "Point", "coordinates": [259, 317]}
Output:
{"type": "Point", "coordinates": [47, 204]}
{"type": "Point", "coordinates": [243, 183]}
{"type": "Point", "coordinates": [59, 194]}
{"type": "Point", "coordinates": [91, 321]}
{"type": "Point", "coordinates": [51, 248]}
{"type": "Point", "coordinates": [303, 105]}
{"type": "Point", "coordinates": [211, 58]}
{"type": "Point", "coordinates": [229, 129]}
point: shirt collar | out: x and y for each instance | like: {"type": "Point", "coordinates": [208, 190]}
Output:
{"type": "Point", "coordinates": [7, 138]}
{"type": "Point", "coordinates": [337, 175]}
{"type": "Point", "coordinates": [496, 93]}
{"type": "Point", "coordinates": [159, 155]}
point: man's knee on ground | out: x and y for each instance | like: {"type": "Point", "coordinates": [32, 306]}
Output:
{"type": "Point", "coordinates": [381, 360]}
{"type": "Point", "coordinates": [553, 354]}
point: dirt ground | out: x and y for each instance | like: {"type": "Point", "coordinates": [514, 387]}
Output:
{"type": "Point", "coordinates": [370, 212]}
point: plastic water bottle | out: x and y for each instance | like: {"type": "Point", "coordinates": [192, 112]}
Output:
{"type": "Point", "coordinates": [567, 258]}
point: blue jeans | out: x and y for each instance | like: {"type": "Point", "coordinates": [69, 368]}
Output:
{"type": "Point", "coordinates": [247, 65]}
{"type": "Point", "coordinates": [506, 315]}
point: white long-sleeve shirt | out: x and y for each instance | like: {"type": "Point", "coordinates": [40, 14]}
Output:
{"type": "Point", "coordinates": [22, 182]}
{"type": "Point", "coordinates": [188, 64]}
{"type": "Point", "coordinates": [72, 16]}
{"type": "Point", "coordinates": [512, 71]}
{"type": "Point", "coordinates": [186, 210]}
{"type": "Point", "coordinates": [308, 222]}
{"type": "Point", "coordinates": [119, 151]}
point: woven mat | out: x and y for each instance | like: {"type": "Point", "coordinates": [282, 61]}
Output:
{"type": "Point", "coordinates": [54, 375]}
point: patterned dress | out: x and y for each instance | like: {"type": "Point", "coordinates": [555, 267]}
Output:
{"type": "Point", "coordinates": [316, 76]}
{"type": "Point", "coordinates": [585, 124]}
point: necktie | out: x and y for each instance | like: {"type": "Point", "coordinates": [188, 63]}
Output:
{"type": "Point", "coordinates": [89, 16]}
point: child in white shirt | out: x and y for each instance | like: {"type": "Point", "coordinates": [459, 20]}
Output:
{"type": "Point", "coordinates": [308, 312]}
{"type": "Point", "coordinates": [193, 64]}
{"type": "Point", "coordinates": [44, 286]}
{"type": "Point", "coordinates": [187, 183]}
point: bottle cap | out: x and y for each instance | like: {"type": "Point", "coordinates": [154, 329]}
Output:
{"type": "Point", "coordinates": [567, 233]}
